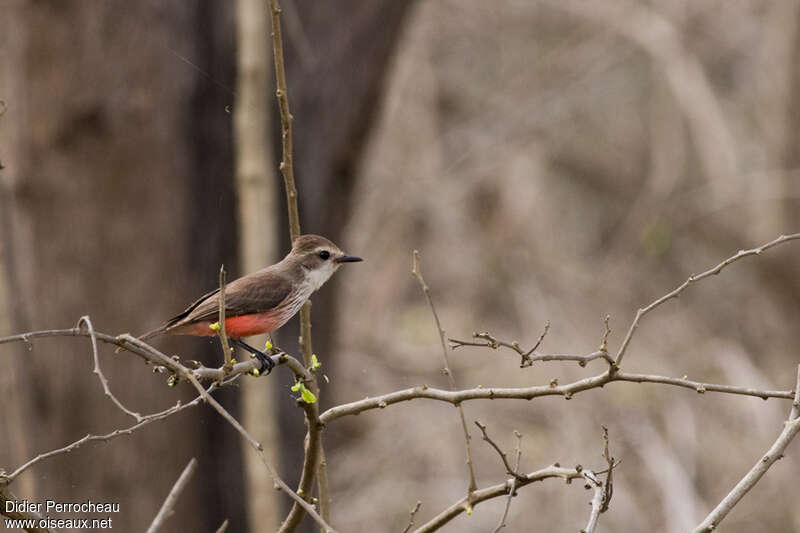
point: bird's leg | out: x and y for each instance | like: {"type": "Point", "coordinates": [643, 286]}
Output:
{"type": "Point", "coordinates": [267, 364]}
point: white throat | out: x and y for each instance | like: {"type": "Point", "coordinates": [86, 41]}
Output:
{"type": "Point", "coordinates": [317, 277]}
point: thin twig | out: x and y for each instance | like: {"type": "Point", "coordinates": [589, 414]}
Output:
{"type": "Point", "coordinates": [528, 357]}
{"type": "Point", "coordinates": [223, 333]}
{"type": "Point", "coordinates": [608, 489]}
{"type": "Point", "coordinates": [503, 457]}
{"type": "Point", "coordinates": [513, 491]}
{"type": "Point", "coordinates": [97, 371]}
{"type": "Point", "coordinates": [287, 167]}
{"type": "Point", "coordinates": [8, 478]}
{"type": "Point", "coordinates": [592, 482]}
{"type": "Point", "coordinates": [692, 279]}
{"type": "Point", "coordinates": [775, 452]}
{"type": "Point", "coordinates": [167, 508]}
{"type": "Point", "coordinates": [412, 514]}
{"type": "Point", "coordinates": [415, 270]}
{"type": "Point", "coordinates": [223, 527]}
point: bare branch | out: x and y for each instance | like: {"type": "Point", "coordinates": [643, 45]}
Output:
{"type": "Point", "coordinates": [223, 333]}
{"type": "Point", "coordinates": [6, 479]}
{"type": "Point", "coordinates": [223, 527]}
{"type": "Point", "coordinates": [608, 490]}
{"type": "Point", "coordinates": [103, 381]}
{"type": "Point", "coordinates": [412, 514]}
{"type": "Point", "coordinates": [528, 393]}
{"type": "Point", "coordinates": [528, 357]}
{"type": "Point", "coordinates": [500, 452]}
{"type": "Point", "coordinates": [14, 513]}
{"type": "Point", "coordinates": [415, 270]}
{"type": "Point", "coordinates": [775, 452]}
{"type": "Point", "coordinates": [314, 438]}
{"type": "Point", "coordinates": [466, 504]}
{"type": "Point", "coordinates": [592, 482]}
{"type": "Point", "coordinates": [167, 509]}
{"type": "Point", "coordinates": [692, 279]}
{"type": "Point", "coordinates": [513, 491]}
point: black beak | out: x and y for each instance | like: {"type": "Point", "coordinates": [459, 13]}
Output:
{"type": "Point", "coordinates": [347, 259]}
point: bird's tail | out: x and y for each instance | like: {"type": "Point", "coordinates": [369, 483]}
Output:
{"type": "Point", "coordinates": [153, 333]}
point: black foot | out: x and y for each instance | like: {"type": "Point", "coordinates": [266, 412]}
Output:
{"type": "Point", "coordinates": [267, 364]}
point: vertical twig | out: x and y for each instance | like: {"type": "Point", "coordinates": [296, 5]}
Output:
{"type": "Point", "coordinates": [223, 334]}
{"type": "Point", "coordinates": [415, 270]}
{"type": "Point", "coordinates": [514, 481]}
{"type": "Point", "coordinates": [314, 439]}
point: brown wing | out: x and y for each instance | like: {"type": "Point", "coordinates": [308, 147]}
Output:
{"type": "Point", "coordinates": [255, 293]}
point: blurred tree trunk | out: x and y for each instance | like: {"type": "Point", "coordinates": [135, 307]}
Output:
{"type": "Point", "coordinates": [337, 56]}
{"type": "Point", "coordinates": [116, 203]}
{"type": "Point", "coordinates": [257, 200]}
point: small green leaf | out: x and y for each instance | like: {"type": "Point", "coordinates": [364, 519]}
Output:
{"type": "Point", "coordinates": [215, 326]}
{"type": "Point", "coordinates": [268, 346]}
{"type": "Point", "coordinates": [469, 510]}
{"type": "Point", "coordinates": [307, 395]}
{"type": "Point", "coordinates": [255, 372]}
{"type": "Point", "coordinates": [315, 364]}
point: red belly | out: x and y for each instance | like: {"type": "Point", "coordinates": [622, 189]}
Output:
{"type": "Point", "coordinates": [235, 326]}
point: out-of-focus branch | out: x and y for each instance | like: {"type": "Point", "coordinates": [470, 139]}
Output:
{"type": "Point", "coordinates": [415, 270]}
{"type": "Point", "coordinates": [411, 516]}
{"type": "Point", "coordinates": [172, 498]}
{"type": "Point", "coordinates": [7, 496]}
{"type": "Point", "coordinates": [656, 35]}
{"type": "Point", "coordinates": [775, 452]}
{"type": "Point", "coordinates": [692, 279]}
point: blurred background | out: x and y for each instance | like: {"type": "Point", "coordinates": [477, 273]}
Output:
{"type": "Point", "coordinates": [552, 161]}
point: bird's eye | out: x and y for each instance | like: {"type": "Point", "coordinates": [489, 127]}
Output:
{"type": "Point", "coordinates": [324, 254]}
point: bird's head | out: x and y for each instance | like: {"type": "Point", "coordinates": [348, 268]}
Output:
{"type": "Point", "coordinates": [319, 258]}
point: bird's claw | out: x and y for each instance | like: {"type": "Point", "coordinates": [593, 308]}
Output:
{"type": "Point", "coordinates": [267, 364]}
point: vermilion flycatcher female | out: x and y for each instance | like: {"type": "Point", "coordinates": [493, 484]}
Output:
{"type": "Point", "coordinates": [263, 301]}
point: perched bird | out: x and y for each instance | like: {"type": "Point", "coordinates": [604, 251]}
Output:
{"type": "Point", "coordinates": [265, 300]}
